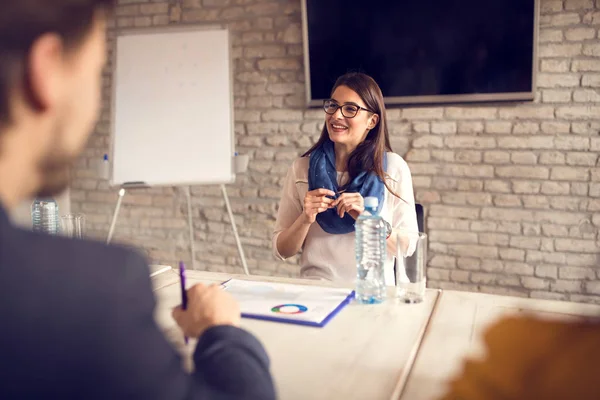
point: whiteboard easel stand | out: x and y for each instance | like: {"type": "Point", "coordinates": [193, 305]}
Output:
{"type": "Point", "coordinates": [190, 224]}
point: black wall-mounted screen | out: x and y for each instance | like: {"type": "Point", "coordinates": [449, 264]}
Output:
{"type": "Point", "coordinates": [424, 51]}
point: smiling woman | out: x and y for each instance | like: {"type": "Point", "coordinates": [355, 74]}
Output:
{"type": "Point", "coordinates": [351, 160]}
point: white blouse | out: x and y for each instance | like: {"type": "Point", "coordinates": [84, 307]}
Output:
{"type": "Point", "coordinates": [331, 256]}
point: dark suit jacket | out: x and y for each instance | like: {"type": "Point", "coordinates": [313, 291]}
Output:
{"type": "Point", "coordinates": [76, 322]}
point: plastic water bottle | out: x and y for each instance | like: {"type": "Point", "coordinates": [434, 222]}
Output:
{"type": "Point", "coordinates": [44, 216]}
{"type": "Point", "coordinates": [370, 254]}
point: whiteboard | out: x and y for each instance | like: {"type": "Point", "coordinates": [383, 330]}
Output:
{"type": "Point", "coordinates": [172, 111]}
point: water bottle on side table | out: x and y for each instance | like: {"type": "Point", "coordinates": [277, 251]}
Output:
{"type": "Point", "coordinates": [370, 254]}
{"type": "Point", "coordinates": [44, 216]}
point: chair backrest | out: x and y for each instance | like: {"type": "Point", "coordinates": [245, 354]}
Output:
{"type": "Point", "coordinates": [420, 217]}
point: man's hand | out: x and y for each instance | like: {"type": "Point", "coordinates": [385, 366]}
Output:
{"type": "Point", "coordinates": [208, 306]}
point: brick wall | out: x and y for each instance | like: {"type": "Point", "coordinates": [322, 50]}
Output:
{"type": "Point", "coordinates": [511, 190]}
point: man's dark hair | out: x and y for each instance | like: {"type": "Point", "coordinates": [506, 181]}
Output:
{"type": "Point", "coordinates": [23, 21]}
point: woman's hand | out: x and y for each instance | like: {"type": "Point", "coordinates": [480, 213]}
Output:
{"type": "Point", "coordinates": [351, 203]}
{"type": "Point", "coordinates": [315, 202]}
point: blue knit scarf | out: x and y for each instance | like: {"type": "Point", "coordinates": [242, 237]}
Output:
{"type": "Point", "coordinates": [322, 174]}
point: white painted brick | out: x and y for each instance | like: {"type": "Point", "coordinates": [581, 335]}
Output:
{"type": "Point", "coordinates": [518, 268]}
{"type": "Point", "coordinates": [555, 188]}
{"type": "Point", "coordinates": [555, 127]}
{"type": "Point", "coordinates": [428, 197]}
{"type": "Point", "coordinates": [585, 66]}
{"type": "Point", "coordinates": [549, 6]}
{"type": "Point", "coordinates": [468, 157]}
{"type": "Point", "coordinates": [438, 274]}
{"type": "Point", "coordinates": [579, 4]}
{"type": "Point", "coordinates": [550, 35]}
{"type": "Point", "coordinates": [529, 142]}
{"type": "Point", "coordinates": [507, 200]}
{"type": "Point", "coordinates": [512, 254]}
{"type": "Point", "coordinates": [579, 34]}
{"type": "Point", "coordinates": [526, 128]}
{"type": "Point", "coordinates": [593, 288]}
{"type": "Point", "coordinates": [500, 214]}
{"type": "Point", "coordinates": [590, 80]}
{"type": "Point", "coordinates": [554, 80]}
{"type": "Point", "coordinates": [470, 142]}
{"type": "Point", "coordinates": [460, 276]}
{"type": "Point", "coordinates": [574, 245]}
{"type": "Point", "coordinates": [556, 65]}
{"type": "Point", "coordinates": [496, 157]}
{"type": "Point", "coordinates": [585, 159]}
{"type": "Point", "coordinates": [470, 185]}
{"type": "Point", "coordinates": [546, 271]}
{"type": "Point", "coordinates": [418, 155]}
{"type": "Point", "coordinates": [470, 170]}
{"type": "Point", "coordinates": [282, 115]}
{"type": "Point", "coordinates": [523, 157]}
{"type": "Point", "coordinates": [552, 158]}
{"type": "Point", "coordinates": [586, 96]}
{"type": "Point", "coordinates": [506, 291]}
{"type": "Point", "coordinates": [570, 174]}
{"type": "Point", "coordinates": [530, 282]}
{"type": "Point", "coordinates": [577, 112]}
{"type": "Point", "coordinates": [485, 226]}
{"type": "Point", "coordinates": [483, 277]}
{"type": "Point", "coordinates": [442, 155]}
{"type": "Point", "coordinates": [564, 286]}
{"type": "Point", "coordinates": [443, 261]}
{"type": "Point", "coordinates": [493, 239]}
{"type": "Point", "coordinates": [548, 295]}
{"type": "Point", "coordinates": [525, 242]}
{"type": "Point", "coordinates": [498, 127]}
{"type": "Point", "coordinates": [548, 50]}
{"type": "Point", "coordinates": [527, 172]}
{"type": "Point", "coordinates": [428, 141]}
{"type": "Point", "coordinates": [473, 250]}
{"type": "Point", "coordinates": [471, 112]}
{"type": "Point", "coordinates": [572, 143]}
{"type": "Point", "coordinates": [421, 182]}
{"type": "Point", "coordinates": [526, 187]}
{"type": "Point", "coordinates": [591, 50]}
{"type": "Point", "coordinates": [469, 263]}
{"type": "Point", "coordinates": [443, 128]}
{"type": "Point", "coordinates": [556, 96]}
{"type": "Point", "coordinates": [422, 113]}
{"type": "Point", "coordinates": [497, 186]}
{"type": "Point", "coordinates": [435, 223]}
{"type": "Point", "coordinates": [492, 265]}
{"type": "Point", "coordinates": [200, 15]}
{"type": "Point", "coordinates": [567, 18]}
{"type": "Point", "coordinates": [584, 298]}
{"type": "Point", "coordinates": [470, 127]}
{"type": "Point", "coordinates": [567, 272]}
{"type": "Point", "coordinates": [422, 127]}
{"type": "Point", "coordinates": [536, 202]}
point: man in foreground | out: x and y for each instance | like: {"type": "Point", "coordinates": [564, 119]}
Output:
{"type": "Point", "coordinates": [77, 316]}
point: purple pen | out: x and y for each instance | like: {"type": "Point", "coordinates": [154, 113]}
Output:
{"type": "Point", "coordinates": [183, 292]}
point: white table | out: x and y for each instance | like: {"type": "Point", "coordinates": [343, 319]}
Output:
{"type": "Point", "coordinates": [364, 352]}
{"type": "Point", "coordinates": [456, 329]}
{"type": "Point", "coordinates": [373, 352]}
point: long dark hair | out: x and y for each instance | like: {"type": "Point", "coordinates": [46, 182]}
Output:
{"type": "Point", "coordinates": [368, 156]}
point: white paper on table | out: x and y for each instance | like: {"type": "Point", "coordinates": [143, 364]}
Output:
{"type": "Point", "coordinates": [301, 304]}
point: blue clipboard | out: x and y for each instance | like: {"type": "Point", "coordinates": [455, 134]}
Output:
{"type": "Point", "coordinates": [320, 324]}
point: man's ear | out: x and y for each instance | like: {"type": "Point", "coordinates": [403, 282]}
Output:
{"type": "Point", "coordinates": [373, 121]}
{"type": "Point", "coordinates": [44, 72]}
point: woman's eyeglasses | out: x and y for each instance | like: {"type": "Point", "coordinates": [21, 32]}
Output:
{"type": "Point", "coordinates": [348, 110]}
